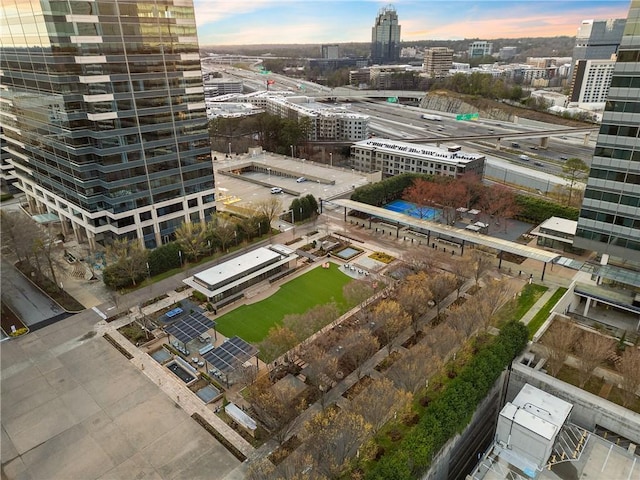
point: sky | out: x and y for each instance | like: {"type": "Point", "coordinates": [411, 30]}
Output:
{"type": "Point", "coordinates": [250, 22]}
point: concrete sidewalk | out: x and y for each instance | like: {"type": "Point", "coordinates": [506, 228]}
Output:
{"type": "Point", "coordinates": [542, 301]}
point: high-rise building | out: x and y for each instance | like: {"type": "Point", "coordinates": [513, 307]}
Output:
{"type": "Point", "coordinates": [591, 80]}
{"type": "Point", "coordinates": [330, 51]}
{"type": "Point", "coordinates": [598, 39]}
{"type": "Point", "coordinates": [104, 118]}
{"type": "Point", "coordinates": [480, 49]}
{"type": "Point", "coordinates": [609, 220]}
{"type": "Point", "coordinates": [385, 36]}
{"type": "Point", "coordinates": [438, 61]}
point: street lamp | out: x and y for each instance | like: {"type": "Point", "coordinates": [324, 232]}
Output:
{"type": "Point", "coordinates": [148, 270]}
{"type": "Point", "coordinates": [229, 148]}
{"type": "Point", "coordinates": [180, 255]}
{"type": "Point", "coordinates": [291, 150]}
{"type": "Point", "coordinates": [330, 159]}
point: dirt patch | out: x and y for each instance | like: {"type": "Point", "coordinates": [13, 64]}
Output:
{"type": "Point", "coordinates": [358, 387]}
{"type": "Point", "coordinates": [284, 450]}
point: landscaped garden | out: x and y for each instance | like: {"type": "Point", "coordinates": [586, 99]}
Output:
{"type": "Point", "coordinates": [316, 287]}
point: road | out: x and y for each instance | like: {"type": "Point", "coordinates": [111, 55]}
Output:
{"type": "Point", "coordinates": [29, 303]}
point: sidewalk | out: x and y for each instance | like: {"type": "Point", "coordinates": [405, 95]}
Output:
{"type": "Point", "coordinates": [533, 311]}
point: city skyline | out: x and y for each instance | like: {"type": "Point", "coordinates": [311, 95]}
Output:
{"type": "Point", "coordinates": [244, 22]}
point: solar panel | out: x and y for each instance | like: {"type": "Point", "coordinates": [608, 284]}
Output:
{"type": "Point", "coordinates": [190, 327]}
{"type": "Point", "coordinates": [233, 352]}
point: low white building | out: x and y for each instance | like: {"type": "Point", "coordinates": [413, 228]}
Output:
{"type": "Point", "coordinates": [392, 157]}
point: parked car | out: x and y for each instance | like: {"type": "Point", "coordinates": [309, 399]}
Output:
{"type": "Point", "coordinates": [276, 190]}
{"type": "Point", "coordinates": [301, 179]}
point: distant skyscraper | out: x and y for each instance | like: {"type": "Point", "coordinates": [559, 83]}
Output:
{"type": "Point", "coordinates": [438, 61]}
{"type": "Point", "coordinates": [480, 49]}
{"type": "Point", "coordinates": [385, 37]}
{"type": "Point", "coordinates": [104, 118]}
{"type": "Point", "coordinates": [609, 220]}
{"type": "Point", "coordinates": [331, 51]}
{"type": "Point", "coordinates": [598, 39]}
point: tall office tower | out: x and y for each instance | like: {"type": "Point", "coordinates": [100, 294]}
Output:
{"type": "Point", "coordinates": [103, 111]}
{"type": "Point", "coordinates": [609, 220]}
{"type": "Point", "coordinates": [330, 51]}
{"type": "Point", "coordinates": [385, 36]}
{"type": "Point", "coordinates": [598, 39]}
{"type": "Point", "coordinates": [438, 61]}
{"type": "Point", "coordinates": [480, 49]}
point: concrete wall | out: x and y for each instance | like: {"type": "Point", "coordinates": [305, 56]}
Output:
{"type": "Point", "coordinates": [460, 454]}
{"type": "Point", "coordinates": [588, 410]}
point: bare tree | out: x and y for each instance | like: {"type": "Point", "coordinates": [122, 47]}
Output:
{"type": "Point", "coordinates": [379, 401]}
{"type": "Point", "coordinates": [460, 268]}
{"type": "Point", "coordinates": [276, 406]}
{"type": "Point", "coordinates": [19, 233]}
{"type": "Point", "coordinates": [269, 208]}
{"type": "Point", "coordinates": [441, 285]}
{"type": "Point", "coordinates": [574, 169]}
{"type": "Point", "coordinates": [495, 294]}
{"type": "Point", "coordinates": [414, 367]}
{"type": "Point", "coordinates": [592, 349]}
{"type": "Point", "coordinates": [357, 291]}
{"type": "Point", "coordinates": [322, 367]}
{"type": "Point", "coordinates": [278, 341]}
{"type": "Point", "coordinates": [413, 296]}
{"type": "Point", "coordinates": [306, 324]}
{"type": "Point", "coordinates": [466, 318]}
{"type": "Point", "coordinates": [558, 341]}
{"type": "Point", "coordinates": [358, 346]}
{"type": "Point", "coordinates": [333, 438]}
{"type": "Point", "coordinates": [480, 264]}
{"type": "Point", "coordinates": [442, 339]}
{"type": "Point", "coordinates": [389, 320]}
{"type": "Point", "coordinates": [629, 368]}
{"type": "Point", "coordinates": [421, 259]}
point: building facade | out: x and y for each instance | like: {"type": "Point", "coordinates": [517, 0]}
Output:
{"type": "Point", "coordinates": [104, 116]}
{"type": "Point", "coordinates": [385, 36]}
{"type": "Point", "coordinates": [480, 49]}
{"type": "Point", "coordinates": [591, 80]}
{"type": "Point", "coordinates": [598, 39]}
{"type": "Point", "coordinates": [393, 158]}
{"type": "Point", "coordinates": [330, 51]}
{"type": "Point", "coordinates": [609, 220]}
{"type": "Point", "coordinates": [438, 61]}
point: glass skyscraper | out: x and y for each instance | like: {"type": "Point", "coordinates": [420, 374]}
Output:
{"type": "Point", "coordinates": [385, 37]}
{"type": "Point", "coordinates": [103, 114]}
{"type": "Point", "coordinates": [609, 220]}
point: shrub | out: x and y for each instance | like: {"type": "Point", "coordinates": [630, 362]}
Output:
{"type": "Point", "coordinates": [199, 296]}
{"type": "Point", "coordinates": [164, 258]}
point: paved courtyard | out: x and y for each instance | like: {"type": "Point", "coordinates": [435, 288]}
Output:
{"type": "Point", "coordinates": [73, 407]}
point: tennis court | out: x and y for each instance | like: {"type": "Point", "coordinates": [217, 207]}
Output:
{"type": "Point", "coordinates": [413, 210]}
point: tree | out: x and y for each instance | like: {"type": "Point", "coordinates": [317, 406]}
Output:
{"type": "Point", "coordinates": [379, 401]}
{"type": "Point", "coordinates": [558, 341]}
{"type": "Point", "coordinates": [224, 231]}
{"type": "Point", "coordinates": [357, 291]}
{"type": "Point", "coordinates": [442, 339]}
{"type": "Point", "coordinates": [424, 195]}
{"type": "Point", "coordinates": [592, 349]}
{"type": "Point", "coordinates": [500, 202]}
{"type": "Point", "coordinates": [466, 318]}
{"type": "Point", "coordinates": [414, 367]}
{"type": "Point", "coordinates": [421, 259]}
{"type": "Point", "coordinates": [278, 341]}
{"type": "Point", "coordinates": [495, 294]}
{"type": "Point", "coordinates": [389, 320]}
{"type": "Point", "coordinates": [359, 346]}
{"type": "Point", "coordinates": [461, 273]}
{"type": "Point", "coordinates": [573, 168]}
{"type": "Point", "coordinates": [321, 369]}
{"type": "Point", "coordinates": [276, 406]}
{"type": "Point", "coordinates": [270, 208]}
{"type": "Point", "coordinates": [333, 438]}
{"type": "Point", "coordinates": [306, 324]}
{"type": "Point", "coordinates": [414, 295]}
{"type": "Point", "coordinates": [18, 233]}
{"type": "Point", "coordinates": [629, 368]}
{"type": "Point", "coordinates": [192, 239]}
{"type": "Point", "coordinates": [480, 264]}
{"type": "Point", "coordinates": [128, 261]}
{"type": "Point", "coordinates": [441, 285]}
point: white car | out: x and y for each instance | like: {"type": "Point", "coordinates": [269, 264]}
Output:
{"type": "Point", "coordinates": [301, 180]}
{"type": "Point", "coordinates": [276, 190]}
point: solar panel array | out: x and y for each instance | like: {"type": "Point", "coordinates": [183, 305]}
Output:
{"type": "Point", "coordinates": [190, 327]}
{"type": "Point", "coordinates": [232, 353]}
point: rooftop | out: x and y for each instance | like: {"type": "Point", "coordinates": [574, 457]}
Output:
{"type": "Point", "coordinates": [560, 225]}
{"type": "Point", "coordinates": [426, 152]}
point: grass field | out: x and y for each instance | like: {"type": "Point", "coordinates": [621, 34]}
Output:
{"type": "Point", "coordinates": [316, 287]}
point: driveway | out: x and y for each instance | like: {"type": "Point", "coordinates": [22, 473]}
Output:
{"type": "Point", "coordinates": [29, 303]}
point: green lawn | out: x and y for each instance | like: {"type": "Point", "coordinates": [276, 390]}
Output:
{"type": "Point", "coordinates": [542, 315]}
{"type": "Point", "coordinates": [316, 287]}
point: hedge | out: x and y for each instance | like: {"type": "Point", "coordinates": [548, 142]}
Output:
{"type": "Point", "coordinates": [387, 190]}
{"type": "Point", "coordinates": [451, 412]}
{"type": "Point", "coordinates": [536, 210]}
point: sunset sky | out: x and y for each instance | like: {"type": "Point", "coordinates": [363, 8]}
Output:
{"type": "Point", "coordinates": [246, 22]}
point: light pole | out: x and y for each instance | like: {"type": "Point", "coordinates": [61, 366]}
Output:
{"type": "Point", "coordinates": [331, 159]}
{"type": "Point", "coordinates": [180, 255]}
{"type": "Point", "coordinates": [291, 150]}
{"type": "Point", "coordinates": [229, 148]}
{"type": "Point", "coordinates": [148, 270]}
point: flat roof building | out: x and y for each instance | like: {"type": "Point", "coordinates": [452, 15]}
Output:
{"type": "Point", "coordinates": [438, 61]}
{"type": "Point", "coordinates": [231, 278]}
{"type": "Point", "coordinates": [393, 157]}
{"type": "Point", "coordinates": [385, 36]}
